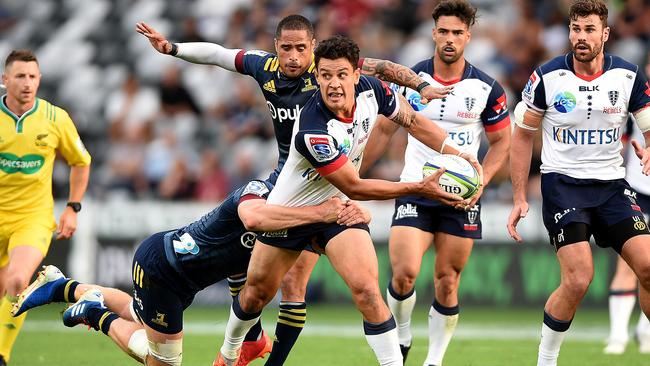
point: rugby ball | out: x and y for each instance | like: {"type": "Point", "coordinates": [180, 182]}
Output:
{"type": "Point", "coordinates": [459, 178]}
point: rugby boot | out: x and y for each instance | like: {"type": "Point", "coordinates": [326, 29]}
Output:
{"type": "Point", "coordinates": [78, 313]}
{"type": "Point", "coordinates": [41, 291]}
{"type": "Point", "coordinates": [254, 349]}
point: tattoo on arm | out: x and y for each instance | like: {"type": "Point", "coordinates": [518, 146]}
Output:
{"type": "Point", "coordinates": [391, 72]}
{"type": "Point", "coordinates": [405, 117]}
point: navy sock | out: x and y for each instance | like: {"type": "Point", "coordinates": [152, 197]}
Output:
{"type": "Point", "coordinates": [379, 328]}
{"type": "Point", "coordinates": [397, 296]}
{"type": "Point", "coordinates": [555, 324]}
{"type": "Point", "coordinates": [453, 310]}
{"type": "Point", "coordinates": [254, 333]}
{"type": "Point", "coordinates": [64, 292]}
{"type": "Point", "coordinates": [100, 319]}
{"type": "Point", "coordinates": [235, 285]}
{"type": "Point", "coordinates": [291, 320]}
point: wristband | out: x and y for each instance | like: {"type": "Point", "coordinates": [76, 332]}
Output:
{"type": "Point", "coordinates": [174, 50]}
{"type": "Point", "coordinates": [421, 86]}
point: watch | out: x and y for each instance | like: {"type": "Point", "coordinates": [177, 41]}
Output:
{"type": "Point", "coordinates": [76, 206]}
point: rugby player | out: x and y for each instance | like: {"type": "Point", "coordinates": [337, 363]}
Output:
{"type": "Point", "coordinates": [477, 104]}
{"type": "Point", "coordinates": [287, 80]}
{"type": "Point", "coordinates": [581, 100]}
{"type": "Point", "coordinates": [169, 268]}
{"type": "Point", "coordinates": [32, 131]}
{"type": "Point", "coordinates": [623, 289]}
{"type": "Point", "coordinates": [324, 157]}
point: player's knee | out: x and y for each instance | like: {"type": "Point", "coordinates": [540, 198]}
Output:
{"type": "Point", "coordinates": [15, 283]}
{"type": "Point", "coordinates": [169, 353]}
{"type": "Point", "coordinates": [138, 346]}
{"type": "Point", "coordinates": [404, 280]}
{"type": "Point", "coordinates": [447, 281]}
{"type": "Point", "coordinates": [643, 274]}
{"type": "Point", "coordinates": [293, 287]}
{"type": "Point", "coordinates": [253, 299]}
{"type": "Point", "coordinates": [365, 294]}
{"type": "Point", "coordinates": [577, 284]}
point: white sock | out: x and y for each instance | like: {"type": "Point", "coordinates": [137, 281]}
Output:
{"type": "Point", "coordinates": [236, 330]}
{"type": "Point", "coordinates": [643, 326]}
{"type": "Point", "coordinates": [620, 309]}
{"type": "Point", "coordinates": [383, 340]}
{"type": "Point", "coordinates": [441, 329]}
{"type": "Point", "coordinates": [549, 346]}
{"type": "Point", "coordinates": [402, 310]}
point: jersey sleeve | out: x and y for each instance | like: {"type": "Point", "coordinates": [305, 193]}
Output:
{"type": "Point", "coordinates": [386, 98]}
{"type": "Point", "coordinates": [495, 114]}
{"type": "Point", "coordinates": [70, 145]}
{"type": "Point", "coordinates": [640, 96]}
{"type": "Point", "coordinates": [255, 189]}
{"type": "Point", "coordinates": [534, 94]}
{"type": "Point", "coordinates": [255, 62]}
{"type": "Point", "coordinates": [321, 150]}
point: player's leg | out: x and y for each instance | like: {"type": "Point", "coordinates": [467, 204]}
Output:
{"type": "Point", "coordinates": [622, 296]}
{"type": "Point", "coordinates": [636, 252]}
{"type": "Point", "coordinates": [267, 267]}
{"type": "Point", "coordinates": [293, 308]}
{"type": "Point", "coordinates": [163, 349]}
{"type": "Point", "coordinates": [576, 273]}
{"type": "Point", "coordinates": [452, 253]}
{"type": "Point", "coordinates": [353, 256]}
{"type": "Point", "coordinates": [406, 246]}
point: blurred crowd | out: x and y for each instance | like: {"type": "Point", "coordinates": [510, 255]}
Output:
{"type": "Point", "coordinates": [161, 128]}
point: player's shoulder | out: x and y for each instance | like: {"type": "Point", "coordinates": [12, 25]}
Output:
{"type": "Point", "coordinates": [474, 73]}
{"type": "Point", "coordinates": [370, 83]}
{"type": "Point", "coordinates": [265, 61]}
{"type": "Point", "coordinates": [555, 64]}
{"type": "Point", "coordinates": [314, 113]}
{"type": "Point", "coordinates": [613, 62]}
{"type": "Point", "coordinates": [52, 112]}
{"type": "Point", "coordinates": [425, 66]}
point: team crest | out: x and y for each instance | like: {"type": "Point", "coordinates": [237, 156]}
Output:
{"type": "Point", "coordinates": [613, 96]}
{"type": "Point", "coordinates": [308, 85]}
{"type": "Point", "coordinates": [469, 103]}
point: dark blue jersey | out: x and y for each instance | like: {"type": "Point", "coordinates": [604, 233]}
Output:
{"type": "Point", "coordinates": [284, 96]}
{"type": "Point", "coordinates": [217, 245]}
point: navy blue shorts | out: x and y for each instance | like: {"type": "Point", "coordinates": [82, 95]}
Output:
{"type": "Point", "coordinates": [299, 238]}
{"type": "Point", "coordinates": [432, 216]}
{"type": "Point", "coordinates": [598, 204]}
{"type": "Point", "coordinates": [160, 295]}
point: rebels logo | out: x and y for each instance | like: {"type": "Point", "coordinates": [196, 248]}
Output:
{"type": "Point", "coordinates": [282, 114]}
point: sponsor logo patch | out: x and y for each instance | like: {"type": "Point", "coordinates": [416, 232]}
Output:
{"type": "Point", "coordinates": [407, 210]}
{"type": "Point", "coordinates": [28, 164]}
{"type": "Point", "coordinates": [564, 102]}
{"type": "Point", "coordinates": [255, 187]}
{"type": "Point", "coordinates": [321, 147]}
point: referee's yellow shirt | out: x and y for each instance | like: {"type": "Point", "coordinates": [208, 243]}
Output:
{"type": "Point", "coordinates": [28, 146]}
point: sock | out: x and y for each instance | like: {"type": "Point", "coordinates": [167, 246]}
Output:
{"type": "Point", "coordinates": [553, 332]}
{"type": "Point", "coordinates": [100, 318]}
{"type": "Point", "coordinates": [621, 304]}
{"type": "Point", "coordinates": [65, 292]}
{"type": "Point", "coordinates": [235, 285]}
{"type": "Point", "coordinates": [9, 326]}
{"type": "Point", "coordinates": [402, 307]}
{"type": "Point", "coordinates": [291, 320]}
{"type": "Point", "coordinates": [239, 323]}
{"type": "Point", "coordinates": [442, 324]}
{"type": "Point", "coordinates": [382, 338]}
{"type": "Point", "coordinates": [643, 326]}
{"type": "Point", "coordinates": [254, 333]}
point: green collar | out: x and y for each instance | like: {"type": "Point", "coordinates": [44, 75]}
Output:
{"type": "Point", "coordinates": [17, 120]}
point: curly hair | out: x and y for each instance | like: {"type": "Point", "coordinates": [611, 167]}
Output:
{"type": "Point", "coordinates": [455, 8]}
{"type": "Point", "coordinates": [337, 47]}
{"type": "Point", "coordinates": [585, 8]}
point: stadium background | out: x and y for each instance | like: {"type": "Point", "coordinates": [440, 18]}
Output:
{"type": "Point", "coordinates": [170, 139]}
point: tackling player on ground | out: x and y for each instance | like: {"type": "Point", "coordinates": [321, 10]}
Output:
{"type": "Point", "coordinates": [287, 80]}
{"type": "Point", "coordinates": [476, 104]}
{"type": "Point", "coordinates": [32, 131]}
{"type": "Point", "coordinates": [325, 155]}
{"type": "Point", "coordinates": [169, 268]}
{"type": "Point", "coordinates": [581, 100]}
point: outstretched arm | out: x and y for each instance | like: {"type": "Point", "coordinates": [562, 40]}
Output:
{"type": "Point", "coordinates": [195, 52]}
{"type": "Point", "coordinates": [402, 75]}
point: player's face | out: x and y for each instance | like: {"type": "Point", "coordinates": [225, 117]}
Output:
{"type": "Point", "coordinates": [22, 80]}
{"type": "Point", "coordinates": [587, 36]}
{"type": "Point", "coordinates": [294, 49]}
{"type": "Point", "coordinates": [337, 79]}
{"type": "Point", "coordinates": [451, 36]}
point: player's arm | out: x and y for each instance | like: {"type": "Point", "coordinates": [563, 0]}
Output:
{"type": "Point", "coordinates": [256, 215]}
{"type": "Point", "coordinates": [378, 141]}
{"type": "Point", "coordinates": [527, 122]}
{"type": "Point", "coordinates": [195, 52]}
{"type": "Point", "coordinates": [402, 75]}
{"type": "Point", "coordinates": [642, 118]}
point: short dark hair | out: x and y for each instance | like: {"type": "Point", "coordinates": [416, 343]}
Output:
{"type": "Point", "coordinates": [294, 22]}
{"type": "Point", "coordinates": [20, 55]}
{"type": "Point", "coordinates": [455, 8]}
{"type": "Point", "coordinates": [585, 8]}
{"type": "Point", "coordinates": [337, 47]}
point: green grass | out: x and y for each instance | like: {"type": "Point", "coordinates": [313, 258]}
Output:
{"type": "Point", "coordinates": [44, 342]}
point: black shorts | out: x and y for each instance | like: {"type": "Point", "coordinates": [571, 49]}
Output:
{"type": "Point", "coordinates": [160, 294]}
{"type": "Point", "coordinates": [609, 210]}
{"type": "Point", "coordinates": [299, 238]}
{"type": "Point", "coordinates": [431, 216]}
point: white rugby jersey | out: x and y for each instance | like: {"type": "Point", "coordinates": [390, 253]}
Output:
{"type": "Point", "coordinates": [638, 181]}
{"type": "Point", "coordinates": [322, 143]}
{"type": "Point", "coordinates": [584, 115]}
{"type": "Point", "coordinates": [477, 103]}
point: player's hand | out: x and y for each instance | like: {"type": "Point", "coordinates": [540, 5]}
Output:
{"type": "Point", "coordinates": [67, 224]}
{"type": "Point", "coordinates": [353, 214]}
{"type": "Point", "coordinates": [432, 190]}
{"type": "Point", "coordinates": [644, 156]}
{"type": "Point", "coordinates": [157, 40]}
{"type": "Point", "coordinates": [519, 211]}
{"type": "Point", "coordinates": [332, 208]}
{"type": "Point", "coordinates": [430, 93]}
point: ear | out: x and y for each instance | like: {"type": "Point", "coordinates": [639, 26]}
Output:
{"type": "Point", "coordinates": [469, 36]}
{"type": "Point", "coordinates": [357, 75]}
{"type": "Point", "coordinates": [275, 45]}
{"type": "Point", "coordinates": [605, 34]}
{"type": "Point", "coordinates": [433, 33]}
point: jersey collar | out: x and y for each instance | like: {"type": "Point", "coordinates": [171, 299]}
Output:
{"type": "Point", "coordinates": [17, 120]}
{"type": "Point", "coordinates": [607, 64]}
{"type": "Point", "coordinates": [466, 73]}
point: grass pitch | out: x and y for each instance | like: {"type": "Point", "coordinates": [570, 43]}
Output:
{"type": "Point", "coordinates": [333, 336]}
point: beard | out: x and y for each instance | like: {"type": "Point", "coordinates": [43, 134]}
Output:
{"type": "Point", "coordinates": [448, 59]}
{"type": "Point", "coordinates": [589, 56]}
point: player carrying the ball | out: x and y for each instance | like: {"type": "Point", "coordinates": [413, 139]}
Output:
{"type": "Point", "coordinates": [581, 100]}
{"type": "Point", "coordinates": [476, 104]}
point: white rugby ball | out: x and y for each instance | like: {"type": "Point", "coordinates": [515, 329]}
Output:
{"type": "Point", "coordinates": [459, 178]}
